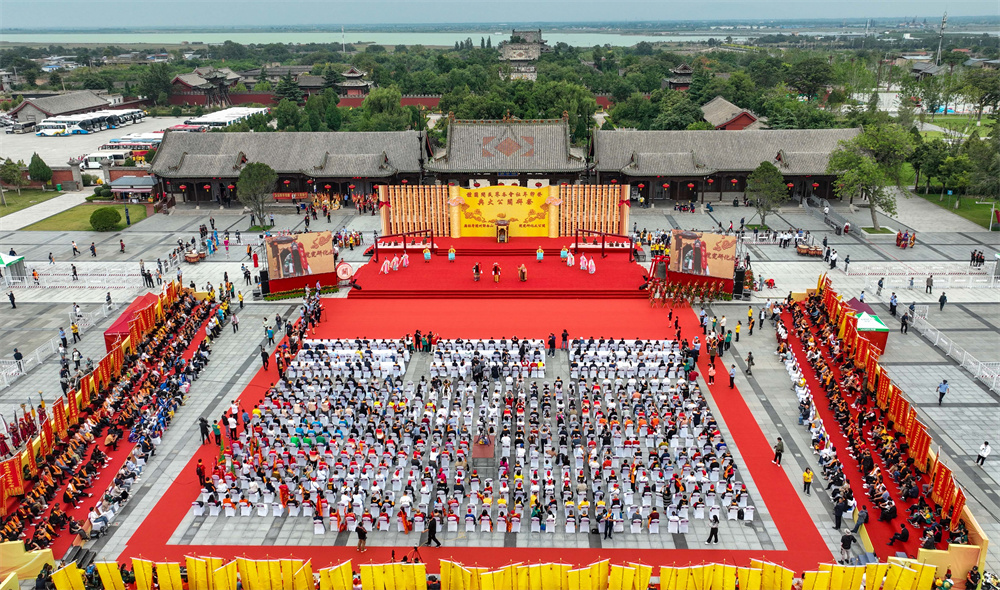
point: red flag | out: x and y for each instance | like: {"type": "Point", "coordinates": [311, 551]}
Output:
{"type": "Point", "coordinates": [959, 505]}
{"type": "Point", "coordinates": [59, 416]}
{"type": "Point", "coordinates": [13, 478]}
{"type": "Point", "coordinates": [74, 407]}
{"type": "Point", "coordinates": [46, 436]}
{"type": "Point", "coordinates": [30, 452]}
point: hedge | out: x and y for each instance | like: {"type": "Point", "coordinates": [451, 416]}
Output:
{"type": "Point", "coordinates": [105, 219]}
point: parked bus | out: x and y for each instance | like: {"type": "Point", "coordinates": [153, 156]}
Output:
{"type": "Point", "coordinates": [225, 117]}
{"type": "Point", "coordinates": [25, 127]}
{"type": "Point", "coordinates": [189, 128]}
{"type": "Point", "coordinates": [117, 158]}
{"type": "Point", "coordinates": [138, 149]}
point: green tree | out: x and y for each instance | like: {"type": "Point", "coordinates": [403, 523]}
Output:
{"type": "Point", "coordinates": [105, 219]}
{"type": "Point", "coordinates": [241, 87]}
{"type": "Point", "coordinates": [331, 77]}
{"type": "Point", "coordinates": [931, 93]}
{"type": "Point", "coordinates": [288, 89]}
{"type": "Point", "coordinates": [255, 187]}
{"type": "Point", "coordinates": [55, 80]}
{"type": "Point", "coordinates": [870, 164]}
{"type": "Point", "coordinates": [39, 170]}
{"type": "Point", "coordinates": [766, 189]}
{"type": "Point", "coordinates": [262, 86]}
{"type": "Point", "coordinates": [381, 111]}
{"type": "Point", "coordinates": [155, 82]}
{"type": "Point", "coordinates": [11, 175]}
{"type": "Point", "coordinates": [288, 116]}
{"type": "Point", "coordinates": [956, 172]}
{"type": "Point", "coordinates": [982, 87]}
{"type": "Point", "coordinates": [809, 76]}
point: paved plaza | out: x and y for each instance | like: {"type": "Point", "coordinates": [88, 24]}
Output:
{"type": "Point", "coordinates": [971, 319]}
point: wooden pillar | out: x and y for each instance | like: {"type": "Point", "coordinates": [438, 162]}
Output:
{"type": "Point", "coordinates": [623, 212]}
{"type": "Point", "coordinates": [383, 196]}
{"type": "Point", "coordinates": [553, 210]}
{"type": "Point", "coordinates": [454, 210]}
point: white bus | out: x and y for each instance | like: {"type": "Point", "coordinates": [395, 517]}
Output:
{"type": "Point", "coordinates": [225, 117]}
{"type": "Point", "coordinates": [117, 158]}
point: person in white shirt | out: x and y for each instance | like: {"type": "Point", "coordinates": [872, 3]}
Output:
{"type": "Point", "coordinates": [984, 451]}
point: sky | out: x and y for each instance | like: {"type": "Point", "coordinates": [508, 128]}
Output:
{"type": "Point", "coordinates": [20, 14]}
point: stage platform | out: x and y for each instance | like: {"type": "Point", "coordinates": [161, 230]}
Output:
{"type": "Point", "coordinates": [615, 276]}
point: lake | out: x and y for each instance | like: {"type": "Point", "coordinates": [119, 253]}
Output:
{"type": "Point", "coordinates": [445, 38]}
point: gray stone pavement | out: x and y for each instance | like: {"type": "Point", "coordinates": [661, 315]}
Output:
{"type": "Point", "coordinates": [968, 414]}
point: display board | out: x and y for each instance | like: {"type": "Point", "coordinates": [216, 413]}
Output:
{"type": "Point", "coordinates": [300, 254]}
{"type": "Point", "coordinates": [703, 253]}
{"type": "Point", "coordinates": [523, 208]}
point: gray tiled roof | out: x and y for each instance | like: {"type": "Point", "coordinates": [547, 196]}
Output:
{"type": "Point", "coordinates": [508, 145]}
{"type": "Point", "coordinates": [133, 181]}
{"type": "Point", "coordinates": [719, 111]}
{"type": "Point", "coordinates": [320, 155]}
{"type": "Point", "coordinates": [68, 103]}
{"type": "Point", "coordinates": [698, 153]}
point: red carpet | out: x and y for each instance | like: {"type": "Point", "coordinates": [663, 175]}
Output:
{"type": "Point", "coordinates": [879, 532]}
{"type": "Point", "coordinates": [483, 318]}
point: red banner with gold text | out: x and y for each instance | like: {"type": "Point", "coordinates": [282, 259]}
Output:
{"type": "Point", "coordinates": [942, 483]}
{"type": "Point", "coordinates": [73, 410]}
{"type": "Point", "coordinates": [47, 440]}
{"type": "Point", "coordinates": [884, 383]}
{"type": "Point", "coordinates": [29, 452]}
{"type": "Point", "coordinates": [959, 505]}
{"type": "Point", "coordinates": [13, 478]}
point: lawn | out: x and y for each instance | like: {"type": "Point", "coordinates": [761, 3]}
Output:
{"type": "Point", "coordinates": [27, 198]}
{"type": "Point", "coordinates": [968, 208]}
{"type": "Point", "coordinates": [881, 230]}
{"type": "Point", "coordinates": [78, 218]}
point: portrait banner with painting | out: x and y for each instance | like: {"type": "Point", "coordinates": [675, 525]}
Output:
{"type": "Point", "coordinates": [703, 253]}
{"type": "Point", "coordinates": [299, 255]}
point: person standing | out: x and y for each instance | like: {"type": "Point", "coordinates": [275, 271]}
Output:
{"type": "Point", "coordinates": [236, 323]}
{"type": "Point", "coordinates": [76, 251]}
{"type": "Point", "coordinates": [847, 262]}
{"type": "Point", "coordinates": [984, 451]}
{"type": "Point", "coordinates": [75, 329]}
{"type": "Point", "coordinates": [19, 360]}
{"type": "Point", "coordinates": [711, 374]}
{"type": "Point", "coordinates": [609, 524]}
{"type": "Point", "coordinates": [264, 357]}
{"type": "Point", "coordinates": [565, 339]}
{"type": "Point", "coordinates": [432, 528]}
{"type": "Point", "coordinates": [62, 337]}
{"type": "Point", "coordinates": [942, 390]}
{"type": "Point", "coordinates": [845, 546]}
{"type": "Point", "coordinates": [881, 283]}
{"type": "Point", "coordinates": [736, 330]}
{"type": "Point", "coordinates": [779, 449]}
{"type": "Point", "coordinates": [552, 344]}
{"type": "Point", "coordinates": [713, 532]}
{"type": "Point", "coordinates": [206, 433]}
{"type": "Point", "coordinates": [10, 295]}
{"type": "Point", "coordinates": [941, 301]}
{"type": "Point", "coordinates": [838, 513]}
{"type": "Point", "coordinates": [362, 536]}
{"type": "Point", "coordinates": [862, 519]}
{"type": "Point", "coordinates": [904, 322]}
{"type": "Point", "coordinates": [807, 480]}
{"type": "Point", "coordinates": [199, 469]}
{"type": "Point", "coordinates": [750, 363]}
{"type": "Point", "coordinates": [893, 303]}
{"type": "Point", "coordinates": [929, 288]}
{"type": "Point", "coordinates": [732, 377]}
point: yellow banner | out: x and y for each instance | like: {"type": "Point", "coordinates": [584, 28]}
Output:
{"type": "Point", "coordinates": [522, 209]}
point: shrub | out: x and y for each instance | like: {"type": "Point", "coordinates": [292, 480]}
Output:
{"type": "Point", "coordinates": [176, 111]}
{"type": "Point", "coordinates": [90, 180]}
{"type": "Point", "coordinates": [93, 198]}
{"type": "Point", "coordinates": [105, 219]}
{"type": "Point", "coordinates": [97, 189]}
{"type": "Point", "coordinates": [106, 192]}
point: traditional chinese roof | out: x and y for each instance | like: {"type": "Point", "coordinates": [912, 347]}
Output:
{"type": "Point", "coordinates": [720, 111]}
{"type": "Point", "coordinates": [60, 104]}
{"type": "Point", "coordinates": [508, 145]}
{"type": "Point", "coordinates": [332, 154]}
{"type": "Point", "coordinates": [699, 153]}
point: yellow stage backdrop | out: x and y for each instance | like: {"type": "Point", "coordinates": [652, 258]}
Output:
{"type": "Point", "coordinates": [525, 209]}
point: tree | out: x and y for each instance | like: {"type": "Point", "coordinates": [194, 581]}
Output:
{"type": "Point", "coordinates": [55, 80]}
{"type": "Point", "coordinates": [381, 111]}
{"type": "Point", "coordinates": [766, 188]}
{"type": "Point", "coordinates": [288, 89]}
{"type": "Point", "coordinates": [39, 170]}
{"type": "Point", "coordinates": [956, 172]}
{"type": "Point", "coordinates": [241, 87]}
{"type": "Point", "coordinates": [809, 76]}
{"type": "Point", "coordinates": [331, 77]}
{"type": "Point", "coordinates": [870, 164]}
{"type": "Point", "coordinates": [288, 115]}
{"type": "Point", "coordinates": [931, 93]}
{"type": "Point", "coordinates": [11, 175]}
{"type": "Point", "coordinates": [982, 87]}
{"type": "Point", "coordinates": [262, 86]}
{"type": "Point", "coordinates": [255, 187]}
{"type": "Point", "coordinates": [155, 82]}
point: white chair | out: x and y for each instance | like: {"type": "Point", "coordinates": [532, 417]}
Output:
{"type": "Point", "coordinates": [714, 511]}
{"type": "Point", "coordinates": [584, 525]}
{"type": "Point", "coordinates": [277, 509]}
{"type": "Point", "coordinates": [684, 526]}
{"type": "Point", "coordinates": [294, 510]}
{"type": "Point", "coordinates": [550, 524]}
{"type": "Point", "coordinates": [198, 508]}
{"type": "Point", "coordinates": [452, 525]}
{"type": "Point", "coordinates": [470, 525]}
{"type": "Point", "coordinates": [748, 513]}
{"type": "Point", "coordinates": [733, 512]}
{"type": "Point", "coordinates": [673, 525]}
{"type": "Point", "coordinates": [307, 510]}
{"type": "Point", "coordinates": [515, 524]}
{"type": "Point", "coordinates": [536, 524]}
{"type": "Point", "coordinates": [246, 510]}
{"type": "Point", "coordinates": [230, 511]}
{"type": "Point", "coordinates": [654, 527]}
{"type": "Point", "coordinates": [571, 525]}
{"type": "Point", "coordinates": [261, 509]}
{"type": "Point", "coordinates": [699, 512]}
{"type": "Point", "coordinates": [636, 527]}
{"type": "Point", "coordinates": [318, 527]}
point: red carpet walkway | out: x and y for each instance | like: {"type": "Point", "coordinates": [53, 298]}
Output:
{"type": "Point", "coordinates": [484, 318]}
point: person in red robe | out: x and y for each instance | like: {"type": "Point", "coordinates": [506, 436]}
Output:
{"type": "Point", "coordinates": [283, 494]}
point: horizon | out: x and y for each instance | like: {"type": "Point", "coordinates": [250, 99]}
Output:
{"type": "Point", "coordinates": [177, 14]}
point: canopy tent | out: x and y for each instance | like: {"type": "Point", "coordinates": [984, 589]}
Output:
{"type": "Point", "coordinates": [12, 267]}
{"type": "Point", "coordinates": [120, 328]}
{"type": "Point", "coordinates": [860, 306]}
{"type": "Point", "coordinates": [133, 184]}
{"type": "Point", "coordinates": [873, 329]}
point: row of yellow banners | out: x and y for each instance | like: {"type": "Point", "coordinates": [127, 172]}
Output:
{"type": "Point", "coordinates": [213, 573]}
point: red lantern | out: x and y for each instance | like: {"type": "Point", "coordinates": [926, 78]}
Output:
{"type": "Point", "coordinates": [666, 185]}
{"type": "Point", "coordinates": [790, 185]}
{"type": "Point", "coordinates": [690, 185]}
{"type": "Point", "coordinates": [565, 184]}
{"type": "Point", "coordinates": [475, 184]}
{"type": "Point", "coordinates": [451, 184]}
{"type": "Point", "coordinates": [350, 186]}
{"type": "Point", "coordinates": [207, 187]}
{"type": "Point", "coordinates": [231, 187]}
{"type": "Point", "coordinates": [711, 180]}
{"type": "Point", "coordinates": [288, 182]}
{"type": "Point", "coordinates": [815, 185]}
{"type": "Point", "coordinates": [327, 186]}
{"type": "Point", "coordinates": [310, 181]}
{"type": "Point", "coordinates": [183, 186]}
{"type": "Point", "coordinates": [641, 185]}
{"type": "Point", "coordinates": [613, 181]}
{"type": "Point", "coordinates": [734, 181]}
{"type": "Point", "coordinates": [405, 181]}
{"type": "Point", "coordinates": [538, 184]}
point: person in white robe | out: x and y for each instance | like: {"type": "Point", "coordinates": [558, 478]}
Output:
{"type": "Point", "coordinates": [405, 260]}
{"type": "Point", "coordinates": [569, 260]}
{"type": "Point", "coordinates": [590, 266]}
{"type": "Point", "coordinates": [583, 262]}
{"type": "Point", "coordinates": [386, 267]}
{"type": "Point", "coordinates": [395, 263]}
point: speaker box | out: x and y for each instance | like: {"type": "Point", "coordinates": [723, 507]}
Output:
{"type": "Point", "coordinates": [738, 279]}
{"type": "Point", "coordinates": [265, 287]}
{"type": "Point", "coordinates": [660, 272]}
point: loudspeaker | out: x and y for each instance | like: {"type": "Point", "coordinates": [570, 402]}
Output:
{"type": "Point", "coordinates": [660, 271]}
{"type": "Point", "coordinates": [738, 279]}
{"type": "Point", "coordinates": [265, 287]}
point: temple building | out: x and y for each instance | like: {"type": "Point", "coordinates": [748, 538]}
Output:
{"type": "Point", "coordinates": [681, 78]}
{"type": "Point", "coordinates": [726, 116]}
{"type": "Point", "coordinates": [211, 83]}
{"type": "Point", "coordinates": [354, 83]}
{"type": "Point", "coordinates": [521, 53]}
{"type": "Point", "coordinates": [508, 151]}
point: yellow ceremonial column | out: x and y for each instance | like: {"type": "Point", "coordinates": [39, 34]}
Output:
{"type": "Point", "coordinates": [553, 203]}
{"type": "Point", "coordinates": [455, 201]}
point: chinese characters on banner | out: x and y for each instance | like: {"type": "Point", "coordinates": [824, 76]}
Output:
{"type": "Point", "coordinates": [29, 451]}
{"type": "Point", "coordinates": [942, 483]}
{"type": "Point", "coordinates": [703, 253]}
{"type": "Point", "coordinates": [46, 438]}
{"type": "Point", "coordinates": [13, 478]}
{"type": "Point", "coordinates": [959, 505]}
{"type": "Point", "coordinates": [59, 416]}
{"type": "Point", "coordinates": [524, 208]}
{"type": "Point", "coordinates": [882, 395]}
{"type": "Point", "coordinates": [73, 400]}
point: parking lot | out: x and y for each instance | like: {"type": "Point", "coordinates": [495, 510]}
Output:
{"type": "Point", "coordinates": [57, 151]}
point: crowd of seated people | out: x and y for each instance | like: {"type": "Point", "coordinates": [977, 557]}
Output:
{"type": "Point", "coordinates": [136, 407]}
{"type": "Point", "coordinates": [881, 452]}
